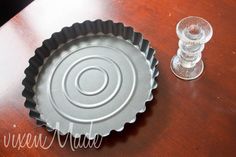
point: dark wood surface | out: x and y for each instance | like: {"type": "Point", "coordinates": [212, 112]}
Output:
{"type": "Point", "coordinates": [186, 118]}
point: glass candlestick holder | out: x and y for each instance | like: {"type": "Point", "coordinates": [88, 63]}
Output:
{"type": "Point", "coordinates": [193, 32]}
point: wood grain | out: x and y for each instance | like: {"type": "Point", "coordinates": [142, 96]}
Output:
{"type": "Point", "coordinates": [186, 118]}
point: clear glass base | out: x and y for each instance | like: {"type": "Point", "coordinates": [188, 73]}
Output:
{"type": "Point", "coordinates": [186, 73]}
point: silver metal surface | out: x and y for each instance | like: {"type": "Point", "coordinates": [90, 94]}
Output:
{"type": "Point", "coordinates": [94, 84]}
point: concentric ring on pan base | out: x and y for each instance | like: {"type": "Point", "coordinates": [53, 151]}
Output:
{"type": "Point", "coordinates": [98, 73]}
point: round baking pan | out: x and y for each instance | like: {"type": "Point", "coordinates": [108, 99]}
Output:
{"type": "Point", "coordinates": [90, 78]}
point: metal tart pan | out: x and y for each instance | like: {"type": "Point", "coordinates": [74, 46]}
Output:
{"type": "Point", "coordinates": [90, 78]}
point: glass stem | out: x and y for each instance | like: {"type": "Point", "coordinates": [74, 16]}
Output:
{"type": "Point", "coordinates": [189, 54]}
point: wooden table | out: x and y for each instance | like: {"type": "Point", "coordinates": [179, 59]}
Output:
{"type": "Point", "coordinates": [186, 118]}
